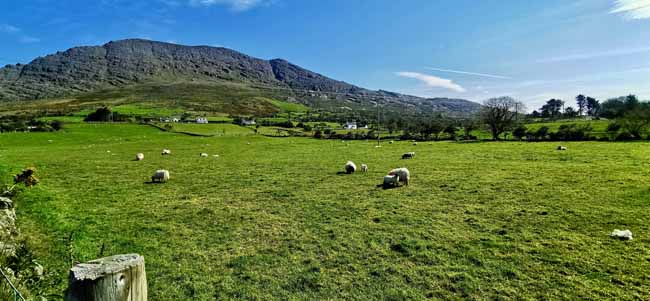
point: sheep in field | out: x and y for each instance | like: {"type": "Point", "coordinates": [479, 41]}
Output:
{"type": "Point", "coordinates": [204, 155]}
{"type": "Point", "coordinates": [166, 152]}
{"type": "Point", "coordinates": [364, 168]}
{"type": "Point", "coordinates": [391, 181]}
{"type": "Point", "coordinates": [350, 167]}
{"type": "Point", "coordinates": [622, 235]}
{"type": "Point", "coordinates": [139, 157]}
{"type": "Point", "coordinates": [409, 155]}
{"type": "Point", "coordinates": [403, 174]}
{"type": "Point", "coordinates": [161, 176]}
{"type": "Point", "coordinates": [561, 148]}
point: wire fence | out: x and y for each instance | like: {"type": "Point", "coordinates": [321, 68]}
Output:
{"type": "Point", "coordinates": [7, 289]}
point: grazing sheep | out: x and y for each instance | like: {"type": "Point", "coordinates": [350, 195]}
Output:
{"type": "Point", "coordinates": [204, 155]}
{"type": "Point", "coordinates": [216, 156]}
{"type": "Point", "coordinates": [391, 181]}
{"type": "Point", "coordinates": [166, 152]}
{"type": "Point", "coordinates": [139, 157]}
{"type": "Point", "coordinates": [391, 142]}
{"type": "Point", "coordinates": [561, 148]}
{"type": "Point", "coordinates": [403, 174]}
{"type": "Point", "coordinates": [622, 235]}
{"type": "Point", "coordinates": [409, 155]}
{"type": "Point", "coordinates": [364, 168]}
{"type": "Point", "coordinates": [350, 167]}
{"type": "Point", "coordinates": [415, 143]}
{"type": "Point", "coordinates": [161, 176]}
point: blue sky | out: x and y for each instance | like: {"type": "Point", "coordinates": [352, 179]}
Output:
{"type": "Point", "coordinates": [473, 49]}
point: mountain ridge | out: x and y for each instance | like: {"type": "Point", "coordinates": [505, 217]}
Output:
{"type": "Point", "coordinates": [117, 64]}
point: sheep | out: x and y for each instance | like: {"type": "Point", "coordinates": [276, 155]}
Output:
{"type": "Point", "coordinates": [561, 148]}
{"type": "Point", "coordinates": [166, 152]}
{"type": "Point", "coordinates": [161, 176]}
{"type": "Point", "coordinates": [139, 157]}
{"type": "Point", "coordinates": [364, 168]}
{"type": "Point", "coordinates": [409, 155]}
{"type": "Point", "coordinates": [622, 235]}
{"type": "Point", "coordinates": [403, 174]}
{"type": "Point", "coordinates": [350, 167]}
{"type": "Point", "coordinates": [391, 142]}
{"type": "Point", "coordinates": [415, 143]}
{"type": "Point", "coordinates": [391, 181]}
{"type": "Point", "coordinates": [204, 155]}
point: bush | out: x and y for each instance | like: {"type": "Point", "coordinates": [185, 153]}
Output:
{"type": "Point", "coordinates": [103, 114]}
{"type": "Point", "coordinates": [520, 132]}
{"type": "Point", "coordinates": [572, 132]}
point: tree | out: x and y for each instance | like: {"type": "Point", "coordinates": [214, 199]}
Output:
{"type": "Point", "coordinates": [520, 132]}
{"type": "Point", "coordinates": [499, 114]}
{"type": "Point", "coordinates": [103, 114]}
{"type": "Point", "coordinates": [570, 112]}
{"type": "Point", "coordinates": [552, 108]}
{"type": "Point", "coordinates": [635, 122]}
{"type": "Point", "coordinates": [593, 107]}
{"type": "Point", "coordinates": [469, 125]}
{"type": "Point", "coordinates": [581, 101]}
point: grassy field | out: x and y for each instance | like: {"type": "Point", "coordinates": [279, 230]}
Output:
{"type": "Point", "coordinates": [274, 219]}
{"type": "Point", "coordinates": [212, 129]}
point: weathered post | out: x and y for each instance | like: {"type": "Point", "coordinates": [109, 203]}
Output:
{"type": "Point", "coordinates": [115, 278]}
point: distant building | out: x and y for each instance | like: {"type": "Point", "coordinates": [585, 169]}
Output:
{"type": "Point", "coordinates": [351, 125]}
{"type": "Point", "coordinates": [169, 119]}
{"type": "Point", "coordinates": [247, 122]}
{"type": "Point", "coordinates": [202, 120]}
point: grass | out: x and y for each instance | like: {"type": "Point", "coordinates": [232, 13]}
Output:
{"type": "Point", "coordinates": [273, 219]}
{"type": "Point", "coordinates": [212, 129]}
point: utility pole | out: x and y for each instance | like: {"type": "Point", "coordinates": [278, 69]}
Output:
{"type": "Point", "coordinates": [378, 125]}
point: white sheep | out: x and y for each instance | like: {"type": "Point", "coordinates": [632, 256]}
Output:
{"type": "Point", "coordinates": [391, 142]}
{"type": "Point", "coordinates": [409, 155]}
{"type": "Point", "coordinates": [139, 157]}
{"type": "Point", "coordinates": [403, 174]}
{"type": "Point", "coordinates": [364, 168]}
{"type": "Point", "coordinates": [561, 148]}
{"type": "Point", "coordinates": [161, 176]}
{"type": "Point", "coordinates": [622, 235]}
{"type": "Point", "coordinates": [415, 143]}
{"type": "Point", "coordinates": [204, 155]}
{"type": "Point", "coordinates": [350, 167]}
{"type": "Point", "coordinates": [166, 152]}
{"type": "Point", "coordinates": [391, 181]}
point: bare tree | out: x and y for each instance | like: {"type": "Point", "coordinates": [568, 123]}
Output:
{"type": "Point", "coordinates": [500, 114]}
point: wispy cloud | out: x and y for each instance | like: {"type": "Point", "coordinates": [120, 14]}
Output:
{"type": "Point", "coordinates": [13, 30]}
{"type": "Point", "coordinates": [6, 28]}
{"type": "Point", "coordinates": [236, 5]}
{"type": "Point", "coordinates": [596, 55]}
{"type": "Point", "coordinates": [632, 9]}
{"type": "Point", "coordinates": [468, 73]}
{"type": "Point", "coordinates": [28, 39]}
{"type": "Point", "coordinates": [433, 81]}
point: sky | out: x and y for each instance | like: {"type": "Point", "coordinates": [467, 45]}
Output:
{"type": "Point", "coordinates": [471, 49]}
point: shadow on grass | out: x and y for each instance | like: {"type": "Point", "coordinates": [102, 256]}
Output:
{"type": "Point", "coordinates": [387, 187]}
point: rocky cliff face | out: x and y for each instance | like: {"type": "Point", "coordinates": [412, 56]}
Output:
{"type": "Point", "coordinates": [117, 64]}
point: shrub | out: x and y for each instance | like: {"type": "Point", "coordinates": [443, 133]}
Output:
{"type": "Point", "coordinates": [520, 132]}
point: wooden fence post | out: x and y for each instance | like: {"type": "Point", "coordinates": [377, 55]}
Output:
{"type": "Point", "coordinates": [115, 278]}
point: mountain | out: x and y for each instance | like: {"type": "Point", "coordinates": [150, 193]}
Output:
{"type": "Point", "coordinates": [97, 73]}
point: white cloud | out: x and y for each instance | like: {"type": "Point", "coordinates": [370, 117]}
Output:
{"type": "Point", "coordinates": [469, 73]}
{"type": "Point", "coordinates": [633, 9]}
{"type": "Point", "coordinates": [6, 28]}
{"type": "Point", "coordinates": [236, 5]}
{"type": "Point", "coordinates": [596, 55]}
{"type": "Point", "coordinates": [433, 81]}
{"type": "Point", "coordinates": [28, 39]}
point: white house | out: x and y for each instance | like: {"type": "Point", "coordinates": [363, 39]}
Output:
{"type": "Point", "coordinates": [351, 125]}
{"type": "Point", "coordinates": [247, 122]}
{"type": "Point", "coordinates": [202, 120]}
